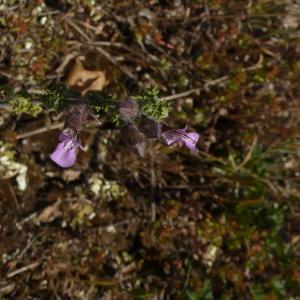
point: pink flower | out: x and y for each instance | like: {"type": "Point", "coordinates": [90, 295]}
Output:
{"type": "Point", "coordinates": [181, 136]}
{"type": "Point", "coordinates": [66, 151]}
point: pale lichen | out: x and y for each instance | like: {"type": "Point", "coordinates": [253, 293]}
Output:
{"type": "Point", "coordinates": [107, 189]}
{"type": "Point", "coordinates": [10, 168]}
{"type": "Point", "coordinates": [210, 255]}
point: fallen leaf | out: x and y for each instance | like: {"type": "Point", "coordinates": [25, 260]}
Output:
{"type": "Point", "coordinates": [83, 80]}
{"type": "Point", "coordinates": [71, 175]}
{"type": "Point", "coordinates": [49, 213]}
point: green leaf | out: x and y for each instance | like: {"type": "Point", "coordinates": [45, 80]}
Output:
{"type": "Point", "coordinates": [152, 105]}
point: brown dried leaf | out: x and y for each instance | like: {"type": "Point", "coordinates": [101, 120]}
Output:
{"type": "Point", "coordinates": [49, 213]}
{"type": "Point", "coordinates": [83, 80]}
{"type": "Point", "coordinates": [71, 175]}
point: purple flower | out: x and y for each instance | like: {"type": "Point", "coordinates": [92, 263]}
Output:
{"type": "Point", "coordinates": [181, 136]}
{"type": "Point", "coordinates": [66, 151]}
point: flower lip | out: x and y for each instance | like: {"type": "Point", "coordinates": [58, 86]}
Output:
{"type": "Point", "coordinates": [66, 151]}
{"type": "Point", "coordinates": [181, 136]}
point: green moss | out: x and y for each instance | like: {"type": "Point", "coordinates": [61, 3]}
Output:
{"type": "Point", "coordinates": [55, 97]}
{"type": "Point", "coordinates": [165, 65]}
{"type": "Point", "coordinates": [104, 105]}
{"type": "Point", "coordinates": [152, 105]}
{"type": "Point", "coordinates": [259, 78]}
{"type": "Point", "coordinates": [22, 104]}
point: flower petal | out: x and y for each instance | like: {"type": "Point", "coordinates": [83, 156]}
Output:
{"type": "Point", "coordinates": [170, 137]}
{"type": "Point", "coordinates": [188, 139]}
{"type": "Point", "coordinates": [191, 140]}
{"type": "Point", "coordinates": [64, 137]}
{"type": "Point", "coordinates": [64, 156]}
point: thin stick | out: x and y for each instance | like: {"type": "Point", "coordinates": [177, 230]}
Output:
{"type": "Point", "coordinates": [40, 130]}
{"type": "Point", "coordinates": [203, 17]}
{"type": "Point", "coordinates": [196, 90]}
{"type": "Point", "coordinates": [22, 270]}
{"type": "Point", "coordinates": [210, 83]}
{"type": "Point", "coordinates": [114, 62]}
{"type": "Point", "coordinates": [101, 50]}
{"type": "Point", "coordinates": [250, 152]}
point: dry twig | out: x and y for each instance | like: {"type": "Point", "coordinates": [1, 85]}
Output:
{"type": "Point", "coordinates": [22, 270]}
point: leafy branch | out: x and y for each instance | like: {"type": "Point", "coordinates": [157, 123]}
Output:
{"type": "Point", "coordinates": [59, 97]}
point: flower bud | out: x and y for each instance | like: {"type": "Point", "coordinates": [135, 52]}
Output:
{"type": "Point", "coordinates": [134, 139]}
{"type": "Point", "coordinates": [128, 109]}
{"type": "Point", "coordinates": [77, 116]}
{"type": "Point", "coordinates": [150, 128]}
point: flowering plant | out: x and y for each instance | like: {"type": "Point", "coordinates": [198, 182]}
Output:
{"type": "Point", "coordinates": [140, 119]}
